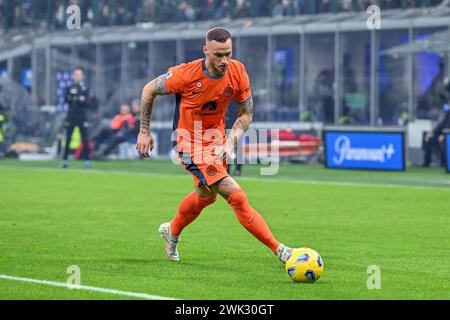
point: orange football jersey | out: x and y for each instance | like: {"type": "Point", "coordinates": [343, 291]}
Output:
{"type": "Point", "coordinates": [202, 99]}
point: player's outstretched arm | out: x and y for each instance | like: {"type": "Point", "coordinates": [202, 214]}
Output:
{"type": "Point", "coordinates": [241, 125]}
{"type": "Point", "coordinates": [154, 88]}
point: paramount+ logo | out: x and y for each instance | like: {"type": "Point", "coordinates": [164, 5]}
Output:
{"type": "Point", "coordinates": [345, 152]}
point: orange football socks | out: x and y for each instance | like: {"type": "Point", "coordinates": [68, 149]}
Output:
{"type": "Point", "coordinates": [189, 210]}
{"type": "Point", "coordinates": [252, 220]}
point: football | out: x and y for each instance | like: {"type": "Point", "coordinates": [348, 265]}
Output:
{"type": "Point", "coordinates": [305, 265]}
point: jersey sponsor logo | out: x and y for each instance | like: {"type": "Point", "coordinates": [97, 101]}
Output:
{"type": "Point", "coordinates": [211, 171]}
{"type": "Point", "coordinates": [208, 109]}
{"type": "Point", "coordinates": [169, 75]}
{"type": "Point", "coordinates": [228, 92]}
{"type": "Point", "coordinates": [210, 106]}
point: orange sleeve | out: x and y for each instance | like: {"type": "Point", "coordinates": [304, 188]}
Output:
{"type": "Point", "coordinates": [174, 80]}
{"type": "Point", "coordinates": [244, 91]}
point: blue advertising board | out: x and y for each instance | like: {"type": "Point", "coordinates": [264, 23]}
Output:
{"type": "Point", "coordinates": [27, 77]}
{"type": "Point", "coordinates": [365, 150]}
{"type": "Point", "coordinates": [447, 149]}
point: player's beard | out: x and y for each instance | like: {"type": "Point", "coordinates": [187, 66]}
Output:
{"type": "Point", "coordinates": [221, 69]}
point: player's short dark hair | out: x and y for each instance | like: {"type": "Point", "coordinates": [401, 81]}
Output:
{"type": "Point", "coordinates": [218, 34]}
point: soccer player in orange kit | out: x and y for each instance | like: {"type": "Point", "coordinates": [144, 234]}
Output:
{"type": "Point", "coordinates": [204, 88]}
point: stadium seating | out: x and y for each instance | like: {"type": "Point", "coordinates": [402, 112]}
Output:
{"type": "Point", "coordinates": [51, 14]}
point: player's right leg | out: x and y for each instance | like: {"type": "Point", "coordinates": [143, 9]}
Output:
{"type": "Point", "coordinates": [189, 210]}
{"type": "Point", "coordinates": [249, 218]}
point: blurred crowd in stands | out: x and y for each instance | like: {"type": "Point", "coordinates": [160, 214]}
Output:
{"type": "Point", "coordinates": [50, 14]}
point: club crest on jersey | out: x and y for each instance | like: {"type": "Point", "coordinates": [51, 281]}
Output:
{"type": "Point", "coordinates": [199, 85]}
{"type": "Point", "coordinates": [211, 171]}
{"type": "Point", "coordinates": [228, 92]}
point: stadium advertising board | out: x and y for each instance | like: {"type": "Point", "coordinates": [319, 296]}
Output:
{"type": "Point", "coordinates": [365, 149]}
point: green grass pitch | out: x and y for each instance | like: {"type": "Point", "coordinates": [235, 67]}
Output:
{"type": "Point", "coordinates": [105, 221]}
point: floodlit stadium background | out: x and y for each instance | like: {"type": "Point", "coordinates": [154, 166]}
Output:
{"type": "Point", "coordinates": [311, 63]}
{"type": "Point", "coordinates": [319, 69]}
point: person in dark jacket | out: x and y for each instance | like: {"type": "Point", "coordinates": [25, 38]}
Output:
{"type": "Point", "coordinates": [435, 139]}
{"type": "Point", "coordinates": [76, 97]}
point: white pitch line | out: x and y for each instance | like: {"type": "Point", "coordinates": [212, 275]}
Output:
{"type": "Point", "coordinates": [95, 289]}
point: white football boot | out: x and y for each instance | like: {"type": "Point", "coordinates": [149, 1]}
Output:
{"type": "Point", "coordinates": [171, 242]}
{"type": "Point", "coordinates": [284, 253]}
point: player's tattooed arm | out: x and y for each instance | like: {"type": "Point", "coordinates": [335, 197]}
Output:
{"type": "Point", "coordinates": [246, 107]}
{"type": "Point", "coordinates": [239, 128]}
{"type": "Point", "coordinates": [244, 121]}
{"type": "Point", "coordinates": [145, 142]}
{"type": "Point", "coordinates": [153, 89]}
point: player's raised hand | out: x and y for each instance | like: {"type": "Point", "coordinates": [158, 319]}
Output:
{"type": "Point", "coordinates": [145, 144]}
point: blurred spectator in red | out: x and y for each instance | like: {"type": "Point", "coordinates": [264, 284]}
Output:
{"type": "Point", "coordinates": [117, 132]}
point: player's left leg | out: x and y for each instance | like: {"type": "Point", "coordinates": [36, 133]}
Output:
{"type": "Point", "coordinates": [189, 210]}
{"type": "Point", "coordinates": [249, 218]}
{"type": "Point", "coordinates": [191, 207]}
